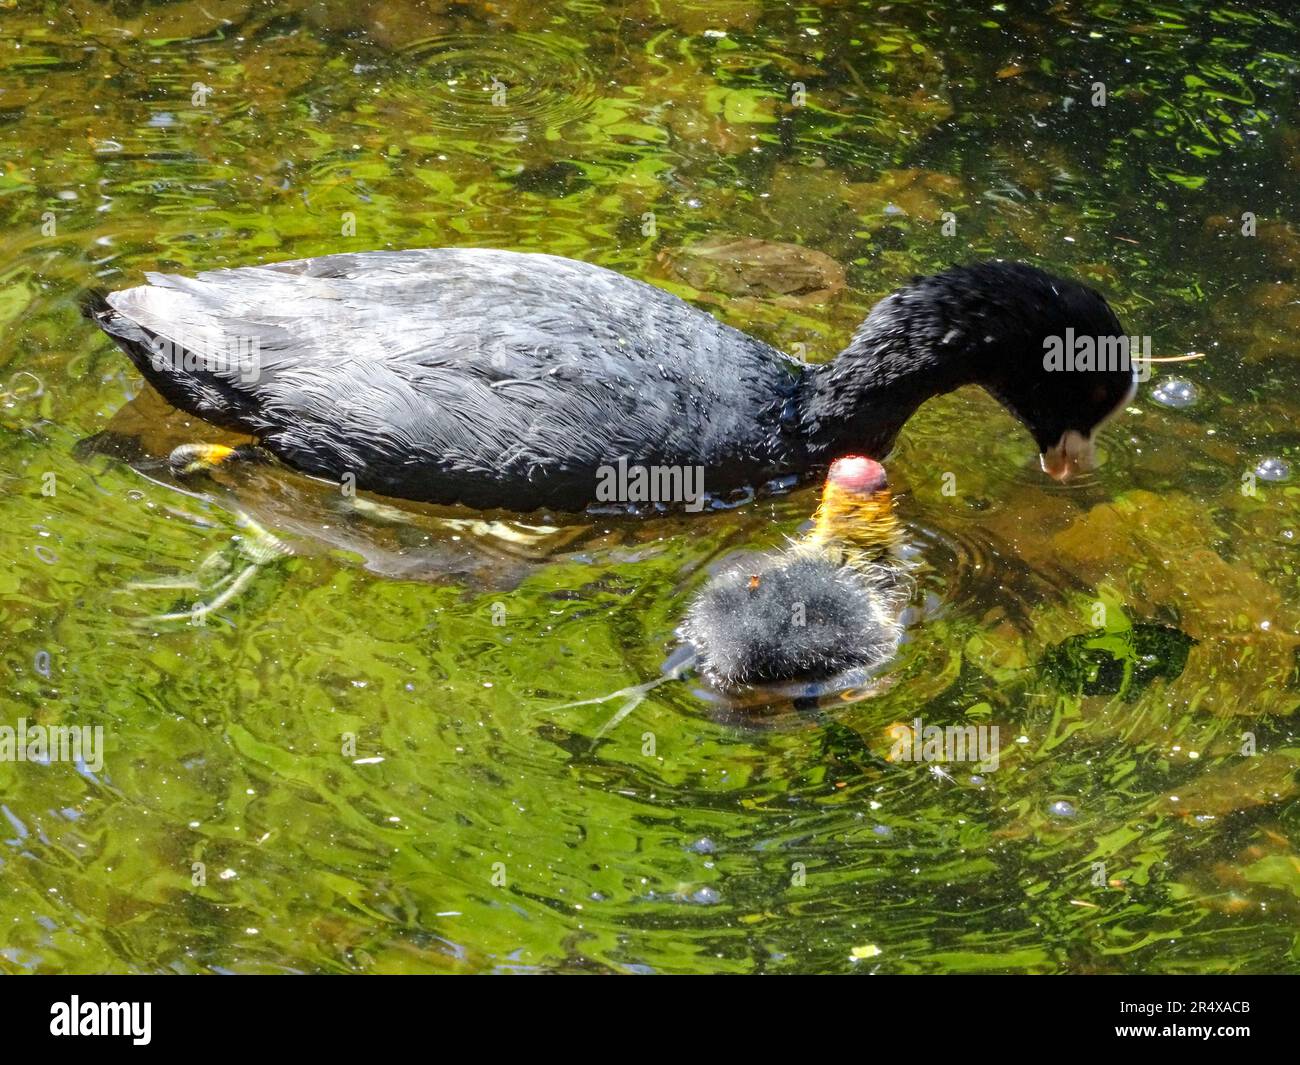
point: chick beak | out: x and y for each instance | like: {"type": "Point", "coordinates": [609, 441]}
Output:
{"type": "Point", "coordinates": [1073, 453]}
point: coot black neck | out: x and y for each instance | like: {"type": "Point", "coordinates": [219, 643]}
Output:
{"type": "Point", "coordinates": [860, 399]}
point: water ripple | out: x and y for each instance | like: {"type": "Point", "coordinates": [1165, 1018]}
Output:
{"type": "Point", "coordinates": [478, 81]}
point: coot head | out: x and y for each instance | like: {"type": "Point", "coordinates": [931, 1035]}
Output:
{"type": "Point", "coordinates": [1071, 375]}
{"type": "Point", "coordinates": [1049, 349]}
{"type": "Point", "coordinates": [822, 607]}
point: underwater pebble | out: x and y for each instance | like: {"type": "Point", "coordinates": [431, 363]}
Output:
{"type": "Point", "coordinates": [1273, 469]}
{"type": "Point", "coordinates": [1061, 808]}
{"type": "Point", "coordinates": [1176, 392]}
{"type": "Point", "coordinates": [703, 845]}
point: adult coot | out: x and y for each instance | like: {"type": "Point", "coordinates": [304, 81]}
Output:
{"type": "Point", "coordinates": [504, 379]}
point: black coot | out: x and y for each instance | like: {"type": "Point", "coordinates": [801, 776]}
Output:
{"type": "Point", "coordinates": [503, 379]}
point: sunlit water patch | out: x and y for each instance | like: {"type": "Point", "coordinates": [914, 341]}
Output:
{"type": "Point", "coordinates": [379, 755]}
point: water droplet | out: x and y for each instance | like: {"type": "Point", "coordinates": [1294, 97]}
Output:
{"type": "Point", "coordinates": [1176, 392]}
{"type": "Point", "coordinates": [703, 845]}
{"type": "Point", "coordinates": [1061, 808]}
{"type": "Point", "coordinates": [1273, 469]}
{"type": "Point", "coordinates": [706, 896]}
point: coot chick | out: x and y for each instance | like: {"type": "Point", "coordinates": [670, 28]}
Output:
{"type": "Point", "coordinates": [515, 380]}
{"type": "Point", "coordinates": [826, 605]}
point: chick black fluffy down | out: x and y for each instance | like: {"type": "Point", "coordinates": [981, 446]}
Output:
{"type": "Point", "coordinates": [745, 627]}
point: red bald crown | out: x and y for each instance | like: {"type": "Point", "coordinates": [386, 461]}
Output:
{"type": "Point", "coordinates": [855, 473]}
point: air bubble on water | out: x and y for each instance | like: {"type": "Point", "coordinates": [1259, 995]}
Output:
{"type": "Point", "coordinates": [1061, 808]}
{"type": "Point", "coordinates": [1273, 469]}
{"type": "Point", "coordinates": [1176, 392]}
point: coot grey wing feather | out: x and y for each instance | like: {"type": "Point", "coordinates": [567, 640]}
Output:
{"type": "Point", "coordinates": [460, 374]}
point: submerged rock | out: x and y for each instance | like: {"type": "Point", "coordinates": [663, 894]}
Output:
{"type": "Point", "coordinates": [919, 194]}
{"type": "Point", "coordinates": [761, 269]}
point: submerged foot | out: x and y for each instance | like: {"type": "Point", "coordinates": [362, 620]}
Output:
{"type": "Point", "coordinates": [221, 577]}
{"type": "Point", "coordinates": [189, 459]}
{"type": "Point", "coordinates": [632, 697]}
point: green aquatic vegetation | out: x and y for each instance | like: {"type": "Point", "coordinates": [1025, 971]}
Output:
{"type": "Point", "coordinates": [326, 775]}
{"type": "Point", "coordinates": [1117, 662]}
{"type": "Point", "coordinates": [1277, 871]}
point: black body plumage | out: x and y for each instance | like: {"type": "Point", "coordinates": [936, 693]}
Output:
{"type": "Point", "coordinates": [504, 379]}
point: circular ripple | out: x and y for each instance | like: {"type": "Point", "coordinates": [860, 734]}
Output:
{"type": "Point", "coordinates": [951, 566]}
{"type": "Point", "coordinates": [472, 82]}
{"type": "Point", "coordinates": [967, 571]}
{"type": "Point", "coordinates": [1117, 454]}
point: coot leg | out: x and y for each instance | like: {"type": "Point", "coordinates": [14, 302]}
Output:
{"type": "Point", "coordinates": [633, 697]}
{"type": "Point", "coordinates": [201, 610]}
{"type": "Point", "coordinates": [217, 579]}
